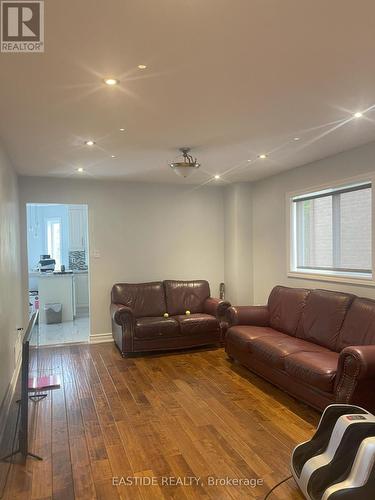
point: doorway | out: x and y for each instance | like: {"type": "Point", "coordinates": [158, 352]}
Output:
{"type": "Point", "coordinates": [58, 271]}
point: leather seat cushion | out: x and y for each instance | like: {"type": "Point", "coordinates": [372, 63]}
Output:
{"type": "Point", "coordinates": [274, 350]}
{"type": "Point", "coordinates": [194, 324]}
{"type": "Point", "coordinates": [243, 335]}
{"type": "Point", "coordinates": [151, 328]}
{"type": "Point", "coordinates": [317, 369]}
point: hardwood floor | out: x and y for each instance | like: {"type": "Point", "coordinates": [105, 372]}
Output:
{"type": "Point", "coordinates": [180, 415]}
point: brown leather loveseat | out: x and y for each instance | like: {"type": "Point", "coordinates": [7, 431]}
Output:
{"type": "Point", "coordinates": [317, 345]}
{"type": "Point", "coordinates": [139, 325]}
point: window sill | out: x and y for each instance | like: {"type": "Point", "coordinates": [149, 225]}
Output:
{"type": "Point", "coordinates": [332, 278]}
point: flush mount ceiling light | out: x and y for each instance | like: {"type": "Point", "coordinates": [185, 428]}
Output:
{"type": "Point", "coordinates": [185, 164]}
{"type": "Point", "coordinates": [122, 130]}
{"type": "Point", "coordinates": [262, 156]}
{"type": "Point", "coordinates": [296, 138]}
{"type": "Point", "coordinates": [358, 114]}
{"type": "Point", "coordinates": [89, 142]}
{"type": "Point", "coordinates": [217, 177]}
{"type": "Point", "coordinates": [142, 66]}
{"type": "Point", "coordinates": [113, 156]}
{"type": "Point", "coordinates": [80, 169]}
{"type": "Point", "coordinates": [111, 81]}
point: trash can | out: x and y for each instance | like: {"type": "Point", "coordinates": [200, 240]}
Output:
{"type": "Point", "coordinates": [53, 313]}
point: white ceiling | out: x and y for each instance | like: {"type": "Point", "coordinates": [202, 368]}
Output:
{"type": "Point", "coordinates": [230, 78]}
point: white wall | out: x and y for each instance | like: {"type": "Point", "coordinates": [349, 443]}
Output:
{"type": "Point", "coordinates": [10, 273]}
{"type": "Point", "coordinates": [143, 232]}
{"type": "Point", "coordinates": [238, 274]}
{"type": "Point", "coordinates": [269, 257]}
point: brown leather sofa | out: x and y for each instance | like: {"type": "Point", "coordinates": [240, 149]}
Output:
{"type": "Point", "coordinates": [139, 325]}
{"type": "Point", "coordinates": [317, 345]}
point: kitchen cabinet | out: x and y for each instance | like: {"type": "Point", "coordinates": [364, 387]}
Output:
{"type": "Point", "coordinates": [77, 228]}
{"type": "Point", "coordinates": [81, 288]}
{"type": "Point", "coordinates": [56, 288]}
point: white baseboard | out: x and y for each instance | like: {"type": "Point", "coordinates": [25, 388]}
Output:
{"type": "Point", "coordinates": [101, 337]}
{"type": "Point", "coordinates": [8, 398]}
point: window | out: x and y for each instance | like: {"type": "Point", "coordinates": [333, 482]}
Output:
{"type": "Point", "coordinates": [54, 240]}
{"type": "Point", "coordinates": [331, 232]}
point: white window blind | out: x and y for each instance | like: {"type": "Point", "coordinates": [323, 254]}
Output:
{"type": "Point", "coordinates": [332, 230]}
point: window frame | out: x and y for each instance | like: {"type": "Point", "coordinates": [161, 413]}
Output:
{"type": "Point", "coordinates": [329, 275]}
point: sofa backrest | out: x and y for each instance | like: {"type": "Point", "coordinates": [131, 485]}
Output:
{"type": "Point", "coordinates": [323, 317]}
{"type": "Point", "coordinates": [186, 295]}
{"type": "Point", "coordinates": [285, 307]}
{"type": "Point", "coordinates": [145, 299]}
{"type": "Point", "coordinates": [359, 324]}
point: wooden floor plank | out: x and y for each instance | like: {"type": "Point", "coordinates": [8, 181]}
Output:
{"type": "Point", "coordinates": [116, 425]}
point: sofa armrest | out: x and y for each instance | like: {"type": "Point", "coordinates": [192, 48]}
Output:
{"type": "Point", "coordinates": [216, 307]}
{"type": "Point", "coordinates": [123, 325]}
{"type": "Point", "coordinates": [356, 366]}
{"type": "Point", "coordinates": [121, 314]}
{"type": "Point", "coordinates": [248, 315]}
{"type": "Point", "coordinates": [361, 360]}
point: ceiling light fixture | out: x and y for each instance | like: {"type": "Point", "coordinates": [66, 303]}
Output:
{"type": "Point", "coordinates": [122, 130]}
{"type": "Point", "coordinates": [185, 164]}
{"type": "Point", "coordinates": [113, 156]}
{"type": "Point", "coordinates": [89, 142]}
{"type": "Point", "coordinates": [217, 177]}
{"type": "Point", "coordinates": [296, 138]}
{"type": "Point", "coordinates": [111, 82]}
{"type": "Point", "coordinates": [142, 66]}
{"type": "Point", "coordinates": [80, 169]}
{"type": "Point", "coordinates": [262, 156]}
{"type": "Point", "coordinates": [249, 161]}
{"type": "Point", "coordinates": [358, 114]}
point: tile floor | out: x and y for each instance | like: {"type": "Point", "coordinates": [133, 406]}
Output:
{"type": "Point", "coordinates": [66, 332]}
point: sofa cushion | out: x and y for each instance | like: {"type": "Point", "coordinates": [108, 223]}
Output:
{"type": "Point", "coordinates": [194, 324]}
{"type": "Point", "coordinates": [150, 328]}
{"type": "Point", "coordinates": [285, 307]}
{"type": "Point", "coordinates": [323, 316]}
{"type": "Point", "coordinates": [242, 335]}
{"type": "Point", "coordinates": [359, 324]}
{"type": "Point", "coordinates": [317, 369]}
{"type": "Point", "coordinates": [145, 299]}
{"type": "Point", "coordinates": [182, 296]}
{"type": "Point", "coordinates": [273, 350]}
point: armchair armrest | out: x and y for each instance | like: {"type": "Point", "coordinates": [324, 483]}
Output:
{"type": "Point", "coordinates": [356, 366]}
{"type": "Point", "coordinates": [248, 315]}
{"type": "Point", "coordinates": [216, 307]}
{"type": "Point", "coordinates": [121, 314]}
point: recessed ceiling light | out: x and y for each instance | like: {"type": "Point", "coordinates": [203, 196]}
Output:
{"type": "Point", "coordinates": [111, 81]}
{"type": "Point", "coordinates": [122, 130]}
{"type": "Point", "coordinates": [262, 156]}
{"type": "Point", "coordinates": [113, 156]}
{"type": "Point", "coordinates": [358, 114]}
{"type": "Point", "coordinates": [89, 142]}
{"type": "Point", "coordinates": [80, 169]}
{"type": "Point", "coordinates": [296, 138]}
{"type": "Point", "coordinates": [249, 161]}
{"type": "Point", "coordinates": [142, 66]}
{"type": "Point", "coordinates": [217, 177]}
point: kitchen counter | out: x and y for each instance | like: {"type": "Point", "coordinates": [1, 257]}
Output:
{"type": "Point", "coordinates": [56, 288]}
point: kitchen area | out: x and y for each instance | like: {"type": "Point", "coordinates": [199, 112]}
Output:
{"type": "Point", "coordinates": [58, 261]}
